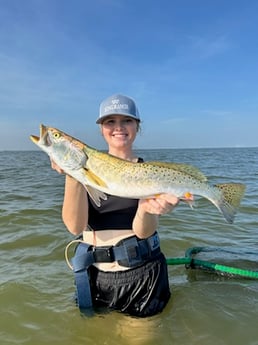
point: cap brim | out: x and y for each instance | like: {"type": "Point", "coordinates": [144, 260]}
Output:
{"type": "Point", "coordinates": [103, 118]}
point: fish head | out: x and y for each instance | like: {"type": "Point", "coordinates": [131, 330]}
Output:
{"type": "Point", "coordinates": [43, 141]}
{"type": "Point", "coordinates": [62, 148]}
{"type": "Point", "coordinates": [49, 138]}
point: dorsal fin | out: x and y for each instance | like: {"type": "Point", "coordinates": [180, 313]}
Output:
{"type": "Point", "coordinates": [184, 168]}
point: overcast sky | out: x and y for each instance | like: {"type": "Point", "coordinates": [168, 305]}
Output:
{"type": "Point", "coordinates": [190, 65]}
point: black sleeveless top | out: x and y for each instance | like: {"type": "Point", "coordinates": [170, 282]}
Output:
{"type": "Point", "coordinates": [114, 213]}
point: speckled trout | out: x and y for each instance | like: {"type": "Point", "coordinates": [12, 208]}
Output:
{"type": "Point", "coordinates": [103, 174]}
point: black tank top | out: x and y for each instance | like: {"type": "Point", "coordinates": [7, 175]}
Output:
{"type": "Point", "coordinates": [114, 213]}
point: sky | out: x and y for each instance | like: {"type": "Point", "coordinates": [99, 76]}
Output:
{"type": "Point", "coordinates": [190, 65]}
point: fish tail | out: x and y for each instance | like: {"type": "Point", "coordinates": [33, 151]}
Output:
{"type": "Point", "coordinates": [232, 194]}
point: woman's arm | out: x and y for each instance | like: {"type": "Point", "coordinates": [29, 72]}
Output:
{"type": "Point", "coordinates": [145, 222]}
{"type": "Point", "coordinates": [75, 206]}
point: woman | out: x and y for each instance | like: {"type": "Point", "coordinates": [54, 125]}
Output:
{"type": "Point", "coordinates": [137, 282]}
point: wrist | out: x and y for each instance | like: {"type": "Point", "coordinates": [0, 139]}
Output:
{"type": "Point", "coordinates": [71, 182]}
{"type": "Point", "coordinates": [144, 215]}
{"type": "Point", "coordinates": [144, 223]}
{"type": "Point", "coordinates": [70, 179]}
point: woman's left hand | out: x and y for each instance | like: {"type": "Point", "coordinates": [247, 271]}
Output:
{"type": "Point", "coordinates": [163, 203]}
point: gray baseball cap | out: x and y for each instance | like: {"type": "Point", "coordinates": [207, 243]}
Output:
{"type": "Point", "coordinates": [118, 105]}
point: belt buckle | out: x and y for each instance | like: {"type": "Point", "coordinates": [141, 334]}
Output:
{"type": "Point", "coordinates": [103, 254]}
{"type": "Point", "coordinates": [110, 254]}
{"type": "Point", "coordinates": [133, 252]}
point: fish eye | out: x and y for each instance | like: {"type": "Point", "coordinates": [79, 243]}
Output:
{"type": "Point", "coordinates": [56, 135]}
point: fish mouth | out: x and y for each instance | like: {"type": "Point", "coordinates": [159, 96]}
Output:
{"type": "Point", "coordinates": [43, 136]}
{"type": "Point", "coordinates": [34, 138]}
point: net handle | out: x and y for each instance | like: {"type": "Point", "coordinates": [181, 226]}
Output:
{"type": "Point", "coordinates": [191, 262]}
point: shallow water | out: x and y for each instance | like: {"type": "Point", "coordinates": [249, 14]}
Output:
{"type": "Point", "coordinates": [36, 286]}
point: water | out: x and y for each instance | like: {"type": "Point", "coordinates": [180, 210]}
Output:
{"type": "Point", "coordinates": [36, 286]}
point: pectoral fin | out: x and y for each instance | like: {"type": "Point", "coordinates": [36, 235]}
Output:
{"type": "Point", "coordinates": [94, 178]}
{"type": "Point", "coordinates": [96, 195]}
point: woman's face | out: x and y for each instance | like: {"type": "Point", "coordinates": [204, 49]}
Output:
{"type": "Point", "coordinates": [119, 131]}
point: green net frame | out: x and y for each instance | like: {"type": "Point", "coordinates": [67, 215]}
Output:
{"type": "Point", "coordinates": [191, 262]}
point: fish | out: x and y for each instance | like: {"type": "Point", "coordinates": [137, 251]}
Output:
{"type": "Point", "coordinates": [103, 174]}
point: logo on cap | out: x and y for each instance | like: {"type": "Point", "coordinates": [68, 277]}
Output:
{"type": "Point", "coordinates": [115, 106]}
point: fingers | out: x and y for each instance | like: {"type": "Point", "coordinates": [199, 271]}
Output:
{"type": "Point", "coordinates": [164, 203]}
{"type": "Point", "coordinates": [56, 167]}
{"type": "Point", "coordinates": [159, 206]}
{"type": "Point", "coordinates": [169, 198]}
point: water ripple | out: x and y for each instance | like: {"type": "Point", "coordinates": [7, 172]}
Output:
{"type": "Point", "coordinates": [36, 286]}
